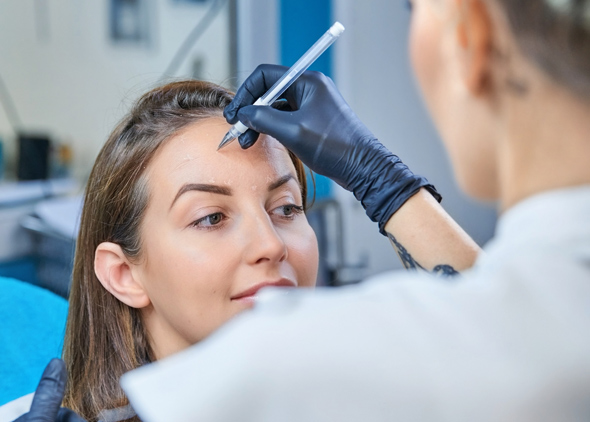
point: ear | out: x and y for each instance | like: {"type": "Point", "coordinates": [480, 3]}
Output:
{"type": "Point", "coordinates": [474, 37]}
{"type": "Point", "coordinates": [114, 271]}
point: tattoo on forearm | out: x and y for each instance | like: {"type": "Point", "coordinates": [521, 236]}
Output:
{"type": "Point", "coordinates": [407, 260]}
{"type": "Point", "coordinates": [410, 263]}
{"type": "Point", "coordinates": [445, 271]}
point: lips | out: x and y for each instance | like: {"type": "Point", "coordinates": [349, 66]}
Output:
{"type": "Point", "coordinates": [251, 291]}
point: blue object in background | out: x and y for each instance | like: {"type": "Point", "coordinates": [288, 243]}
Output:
{"type": "Point", "coordinates": [1, 160]}
{"type": "Point", "coordinates": [22, 269]}
{"type": "Point", "coordinates": [302, 22]}
{"type": "Point", "coordinates": [323, 187]}
{"type": "Point", "coordinates": [31, 333]}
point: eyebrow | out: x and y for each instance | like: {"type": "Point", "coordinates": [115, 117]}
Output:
{"type": "Point", "coordinates": [201, 187]}
{"type": "Point", "coordinates": [220, 190]}
{"type": "Point", "coordinates": [280, 182]}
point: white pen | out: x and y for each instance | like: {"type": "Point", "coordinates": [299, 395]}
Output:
{"type": "Point", "coordinates": [288, 78]}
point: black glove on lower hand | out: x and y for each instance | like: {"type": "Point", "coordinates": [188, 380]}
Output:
{"type": "Point", "coordinates": [323, 131]}
{"type": "Point", "coordinates": [49, 395]}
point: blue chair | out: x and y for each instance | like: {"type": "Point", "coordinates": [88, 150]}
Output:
{"type": "Point", "coordinates": [32, 328]}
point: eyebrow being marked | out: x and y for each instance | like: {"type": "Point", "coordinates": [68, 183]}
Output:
{"type": "Point", "coordinates": [222, 190]}
{"type": "Point", "coordinates": [202, 187]}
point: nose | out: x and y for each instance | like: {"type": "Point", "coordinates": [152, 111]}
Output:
{"type": "Point", "coordinates": [264, 242]}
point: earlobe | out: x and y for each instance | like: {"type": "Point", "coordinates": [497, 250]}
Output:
{"type": "Point", "coordinates": [474, 37]}
{"type": "Point", "coordinates": [113, 270]}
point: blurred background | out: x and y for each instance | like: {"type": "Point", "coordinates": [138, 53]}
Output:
{"type": "Point", "coordinates": [70, 69]}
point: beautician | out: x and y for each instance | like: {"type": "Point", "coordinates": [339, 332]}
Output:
{"type": "Point", "coordinates": [508, 338]}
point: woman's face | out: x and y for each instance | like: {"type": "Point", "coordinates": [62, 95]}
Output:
{"type": "Point", "coordinates": [219, 225]}
{"type": "Point", "coordinates": [463, 117]}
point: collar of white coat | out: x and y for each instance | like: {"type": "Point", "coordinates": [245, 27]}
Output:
{"type": "Point", "coordinates": [551, 215]}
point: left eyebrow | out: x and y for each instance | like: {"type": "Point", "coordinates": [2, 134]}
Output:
{"type": "Point", "coordinates": [280, 182]}
{"type": "Point", "coordinates": [220, 190]}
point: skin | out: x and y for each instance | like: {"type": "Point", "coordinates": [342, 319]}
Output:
{"type": "Point", "coordinates": [498, 114]}
{"type": "Point", "coordinates": [203, 249]}
{"type": "Point", "coordinates": [449, 75]}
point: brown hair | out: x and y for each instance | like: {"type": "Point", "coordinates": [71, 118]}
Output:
{"type": "Point", "coordinates": [556, 36]}
{"type": "Point", "coordinates": [104, 337]}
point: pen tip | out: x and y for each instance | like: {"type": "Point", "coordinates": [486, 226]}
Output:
{"type": "Point", "coordinates": [226, 140]}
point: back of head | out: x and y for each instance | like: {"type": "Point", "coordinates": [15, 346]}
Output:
{"type": "Point", "coordinates": [104, 337]}
{"type": "Point", "coordinates": [554, 34]}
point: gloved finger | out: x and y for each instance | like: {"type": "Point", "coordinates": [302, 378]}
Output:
{"type": "Point", "coordinates": [248, 138]}
{"type": "Point", "coordinates": [67, 415]}
{"type": "Point", "coordinates": [49, 393]}
{"type": "Point", "coordinates": [276, 123]}
{"type": "Point", "coordinates": [254, 87]}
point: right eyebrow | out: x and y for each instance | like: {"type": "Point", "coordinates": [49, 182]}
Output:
{"type": "Point", "coordinates": [202, 187]}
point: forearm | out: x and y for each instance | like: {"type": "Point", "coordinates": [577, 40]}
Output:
{"type": "Point", "coordinates": [427, 238]}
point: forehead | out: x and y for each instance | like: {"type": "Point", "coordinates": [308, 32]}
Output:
{"type": "Point", "coordinates": [192, 156]}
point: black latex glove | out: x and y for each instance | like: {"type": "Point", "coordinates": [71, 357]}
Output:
{"type": "Point", "coordinates": [323, 131]}
{"type": "Point", "coordinates": [48, 397]}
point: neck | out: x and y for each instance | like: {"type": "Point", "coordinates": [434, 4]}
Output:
{"type": "Point", "coordinates": [546, 144]}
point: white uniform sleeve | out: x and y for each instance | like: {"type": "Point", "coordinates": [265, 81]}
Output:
{"type": "Point", "coordinates": [396, 348]}
{"type": "Point", "coordinates": [16, 408]}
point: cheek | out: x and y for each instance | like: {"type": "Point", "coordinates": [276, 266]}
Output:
{"type": "Point", "coordinates": [456, 118]}
{"type": "Point", "coordinates": [179, 265]}
{"type": "Point", "coordinates": [303, 255]}
{"type": "Point", "coordinates": [429, 45]}
{"type": "Point", "coordinates": [188, 282]}
{"type": "Point", "coordinates": [423, 52]}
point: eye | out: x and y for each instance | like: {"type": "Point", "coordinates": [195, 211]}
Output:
{"type": "Point", "coordinates": [288, 211]}
{"type": "Point", "coordinates": [209, 221]}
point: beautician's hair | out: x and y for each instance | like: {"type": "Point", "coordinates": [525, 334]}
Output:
{"type": "Point", "coordinates": [104, 337]}
{"type": "Point", "coordinates": [555, 34]}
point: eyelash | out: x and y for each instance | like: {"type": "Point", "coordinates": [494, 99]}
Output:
{"type": "Point", "coordinates": [295, 209]}
{"type": "Point", "coordinates": [197, 223]}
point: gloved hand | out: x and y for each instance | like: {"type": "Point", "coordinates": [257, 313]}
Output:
{"type": "Point", "coordinates": [48, 397]}
{"type": "Point", "coordinates": [323, 131]}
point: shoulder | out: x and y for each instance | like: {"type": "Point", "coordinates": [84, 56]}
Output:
{"type": "Point", "coordinates": [12, 410]}
{"type": "Point", "coordinates": [397, 345]}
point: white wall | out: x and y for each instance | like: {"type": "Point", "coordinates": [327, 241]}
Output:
{"type": "Point", "coordinates": [257, 36]}
{"type": "Point", "coordinates": [373, 73]}
{"type": "Point", "coordinates": [67, 78]}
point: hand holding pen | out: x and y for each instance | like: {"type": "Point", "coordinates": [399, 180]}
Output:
{"type": "Point", "coordinates": [288, 77]}
{"type": "Point", "coordinates": [324, 132]}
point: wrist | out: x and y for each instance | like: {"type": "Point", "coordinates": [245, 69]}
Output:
{"type": "Point", "coordinates": [412, 187]}
{"type": "Point", "coordinates": [387, 187]}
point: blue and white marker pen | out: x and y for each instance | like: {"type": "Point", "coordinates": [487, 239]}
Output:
{"type": "Point", "coordinates": [288, 78]}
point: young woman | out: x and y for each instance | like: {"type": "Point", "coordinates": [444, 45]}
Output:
{"type": "Point", "coordinates": [508, 86]}
{"type": "Point", "coordinates": [176, 238]}
{"type": "Point", "coordinates": [507, 83]}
